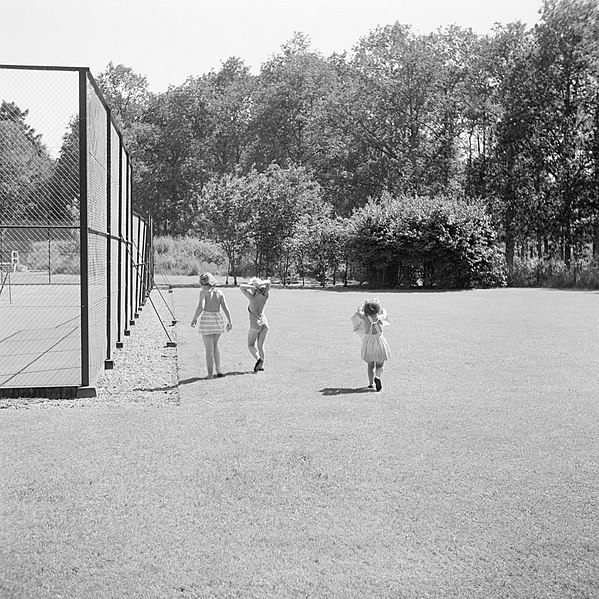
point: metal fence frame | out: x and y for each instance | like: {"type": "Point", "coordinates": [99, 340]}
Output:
{"type": "Point", "coordinates": [115, 243]}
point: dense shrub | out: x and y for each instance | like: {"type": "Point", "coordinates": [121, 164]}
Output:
{"type": "Point", "coordinates": [536, 272]}
{"type": "Point", "coordinates": [57, 257]}
{"type": "Point", "coordinates": [428, 242]}
{"type": "Point", "coordinates": [188, 256]}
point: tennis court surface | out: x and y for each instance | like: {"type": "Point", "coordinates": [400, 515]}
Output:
{"type": "Point", "coordinates": [40, 336]}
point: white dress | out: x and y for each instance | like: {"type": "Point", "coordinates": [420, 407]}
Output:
{"type": "Point", "coordinates": [374, 345]}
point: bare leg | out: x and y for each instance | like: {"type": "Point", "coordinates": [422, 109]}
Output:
{"type": "Point", "coordinates": [216, 352]}
{"type": "Point", "coordinates": [209, 346]}
{"type": "Point", "coordinates": [377, 377]}
{"type": "Point", "coordinates": [370, 373]}
{"type": "Point", "coordinates": [261, 340]}
{"type": "Point", "coordinates": [252, 338]}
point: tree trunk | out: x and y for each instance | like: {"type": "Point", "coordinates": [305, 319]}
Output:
{"type": "Point", "coordinates": [568, 246]}
{"type": "Point", "coordinates": [509, 243]}
{"type": "Point", "coordinates": [229, 269]}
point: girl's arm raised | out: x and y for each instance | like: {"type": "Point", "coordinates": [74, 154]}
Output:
{"type": "Point", "coordinates": [244, 287]}
{"type": "Point", "coordinates": [266, 284]}
{"type": "Point", "coordinates": [360, 312]}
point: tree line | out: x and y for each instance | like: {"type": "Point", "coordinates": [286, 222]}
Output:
{"type": "Point", "coordinates": [506, 123]}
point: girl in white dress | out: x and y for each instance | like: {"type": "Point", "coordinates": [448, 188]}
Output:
{"type": "Point", "coordinates": [212, 323]}
{"type": "Point", "coordinates": [369, 320]}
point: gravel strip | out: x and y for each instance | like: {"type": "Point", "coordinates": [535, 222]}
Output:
{"type": "Point", "coordinates": [145, 371]}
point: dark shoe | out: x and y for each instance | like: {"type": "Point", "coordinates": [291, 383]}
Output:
{"type": "Point", "coordinates": [258, 365]}
{"type": "Point", "coordinates": [378, 383]}
{"type": "Point", "coordinates": [370, 386]}
{"type": "Point", "coordinates": [219, 375]}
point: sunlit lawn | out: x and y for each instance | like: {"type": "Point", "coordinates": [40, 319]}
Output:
{"type": "Point", "coordinates": [473, 474]}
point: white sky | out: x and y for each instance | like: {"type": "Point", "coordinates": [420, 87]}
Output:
{"type": "Point", "coordinates": [169, 40]}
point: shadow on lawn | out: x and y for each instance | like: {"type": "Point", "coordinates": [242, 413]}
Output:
{"type": "Point", "coordinates": [344, 390]}
{"type": "Point", "coordinates": [195, 379]}
{"type": "Point", "coordinates": [169, 388]}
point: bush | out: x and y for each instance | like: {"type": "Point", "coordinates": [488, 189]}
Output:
{"type": "Point", "coordinates": [188, 256]}
{"type": "Point", "coordinates": [427, 242]}
{"type": "Point", "coordinates": [62, 257]}
{"type": "Point", "coordinates": [549, 272]}
{"type": "Point", "coordinates": [588, 276]}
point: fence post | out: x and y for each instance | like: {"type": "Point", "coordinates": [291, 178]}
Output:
{"type": "Point", "coordinates": [119, 342]}
{"type": "Point", "coordinates": [85, 390]}
{"type": "Point", "coordinates": [128, 255]}
{"type": "Point", "coordinates": [139, 266]}
{"type": "Point", "coordinates": [108, 362]}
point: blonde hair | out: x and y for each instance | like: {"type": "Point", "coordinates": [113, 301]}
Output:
{"type": "Point", "coordinates": [256, 282]}
{"type": "Point", "coordinates": [207, 278]}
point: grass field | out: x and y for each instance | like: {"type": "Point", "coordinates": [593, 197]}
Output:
{"type": "Point", "coordinates": [472, 475]}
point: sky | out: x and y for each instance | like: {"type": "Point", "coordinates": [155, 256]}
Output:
{"type": "Point", "coordinates": [170, 40]}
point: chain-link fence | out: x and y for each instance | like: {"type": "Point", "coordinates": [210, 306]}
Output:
{"type": "Point", "coordinates": [75, 260]}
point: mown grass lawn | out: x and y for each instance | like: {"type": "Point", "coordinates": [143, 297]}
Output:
{"type": "Point", "coordinates": [472, 475]}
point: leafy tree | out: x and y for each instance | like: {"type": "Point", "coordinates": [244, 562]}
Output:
{"type": "Point", "coordinates": [295, 251]}
{"type": "Point", "coordinates": [327, 247]}
{"type": "Point", "coordinates": [560, 101]}
{"type": "Point", "coordinates": [226, 204]}
{"type": "Point", "coordinates": [232, 99]}
{"type": "Point", "coordinates": [317, 244]}
{"type": "Point", "coordinates": [11, 113]}
{"type": "Point", "coordinates": [25, 167]}
{"type": "Point", "coordinates": [64, 185]}
{"type": "Point", "coordinates": [288, 95]}
{"type": "Point", "coordinates": [174, 156]}
{"type": "Point", "coordinates": [280, 197]}
{"type": "Point", "coordinates": [511, 118]}
{"type": "Point", "coordinates": [386, 104]}
{"type": "Point", "coordinates": [454, 49]}
{"type": "Point", "coordinates": [502, 169]}
{"type": "Point", "coordinates": [126, 93]}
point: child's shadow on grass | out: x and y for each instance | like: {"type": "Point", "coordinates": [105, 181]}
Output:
{"type": "Point", "coordinates": [344, 390]}
{"type": "Point", "coordinates": [169, 388]}
{"type": "Point", "coordinates": [195, 379]}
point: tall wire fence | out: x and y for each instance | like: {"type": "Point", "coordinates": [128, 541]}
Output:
{"type": "Point", "coordinates": [75, 260]}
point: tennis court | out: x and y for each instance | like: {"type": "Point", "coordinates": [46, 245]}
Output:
{"type": "Point", "coordinates": [75, 259]}
{"type": "Point", "coordinates": [40, 345]}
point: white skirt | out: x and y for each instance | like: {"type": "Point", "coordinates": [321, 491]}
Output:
{"type": "Point", "coordinates": [375, 348]}
{"type": "Point", "coordinates": [211, 323]}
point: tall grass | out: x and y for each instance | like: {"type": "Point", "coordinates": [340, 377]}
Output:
{"type": "Point", "coordinates": [188, 256]}
{"type": "Point", "coordinates": [534, 272]}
